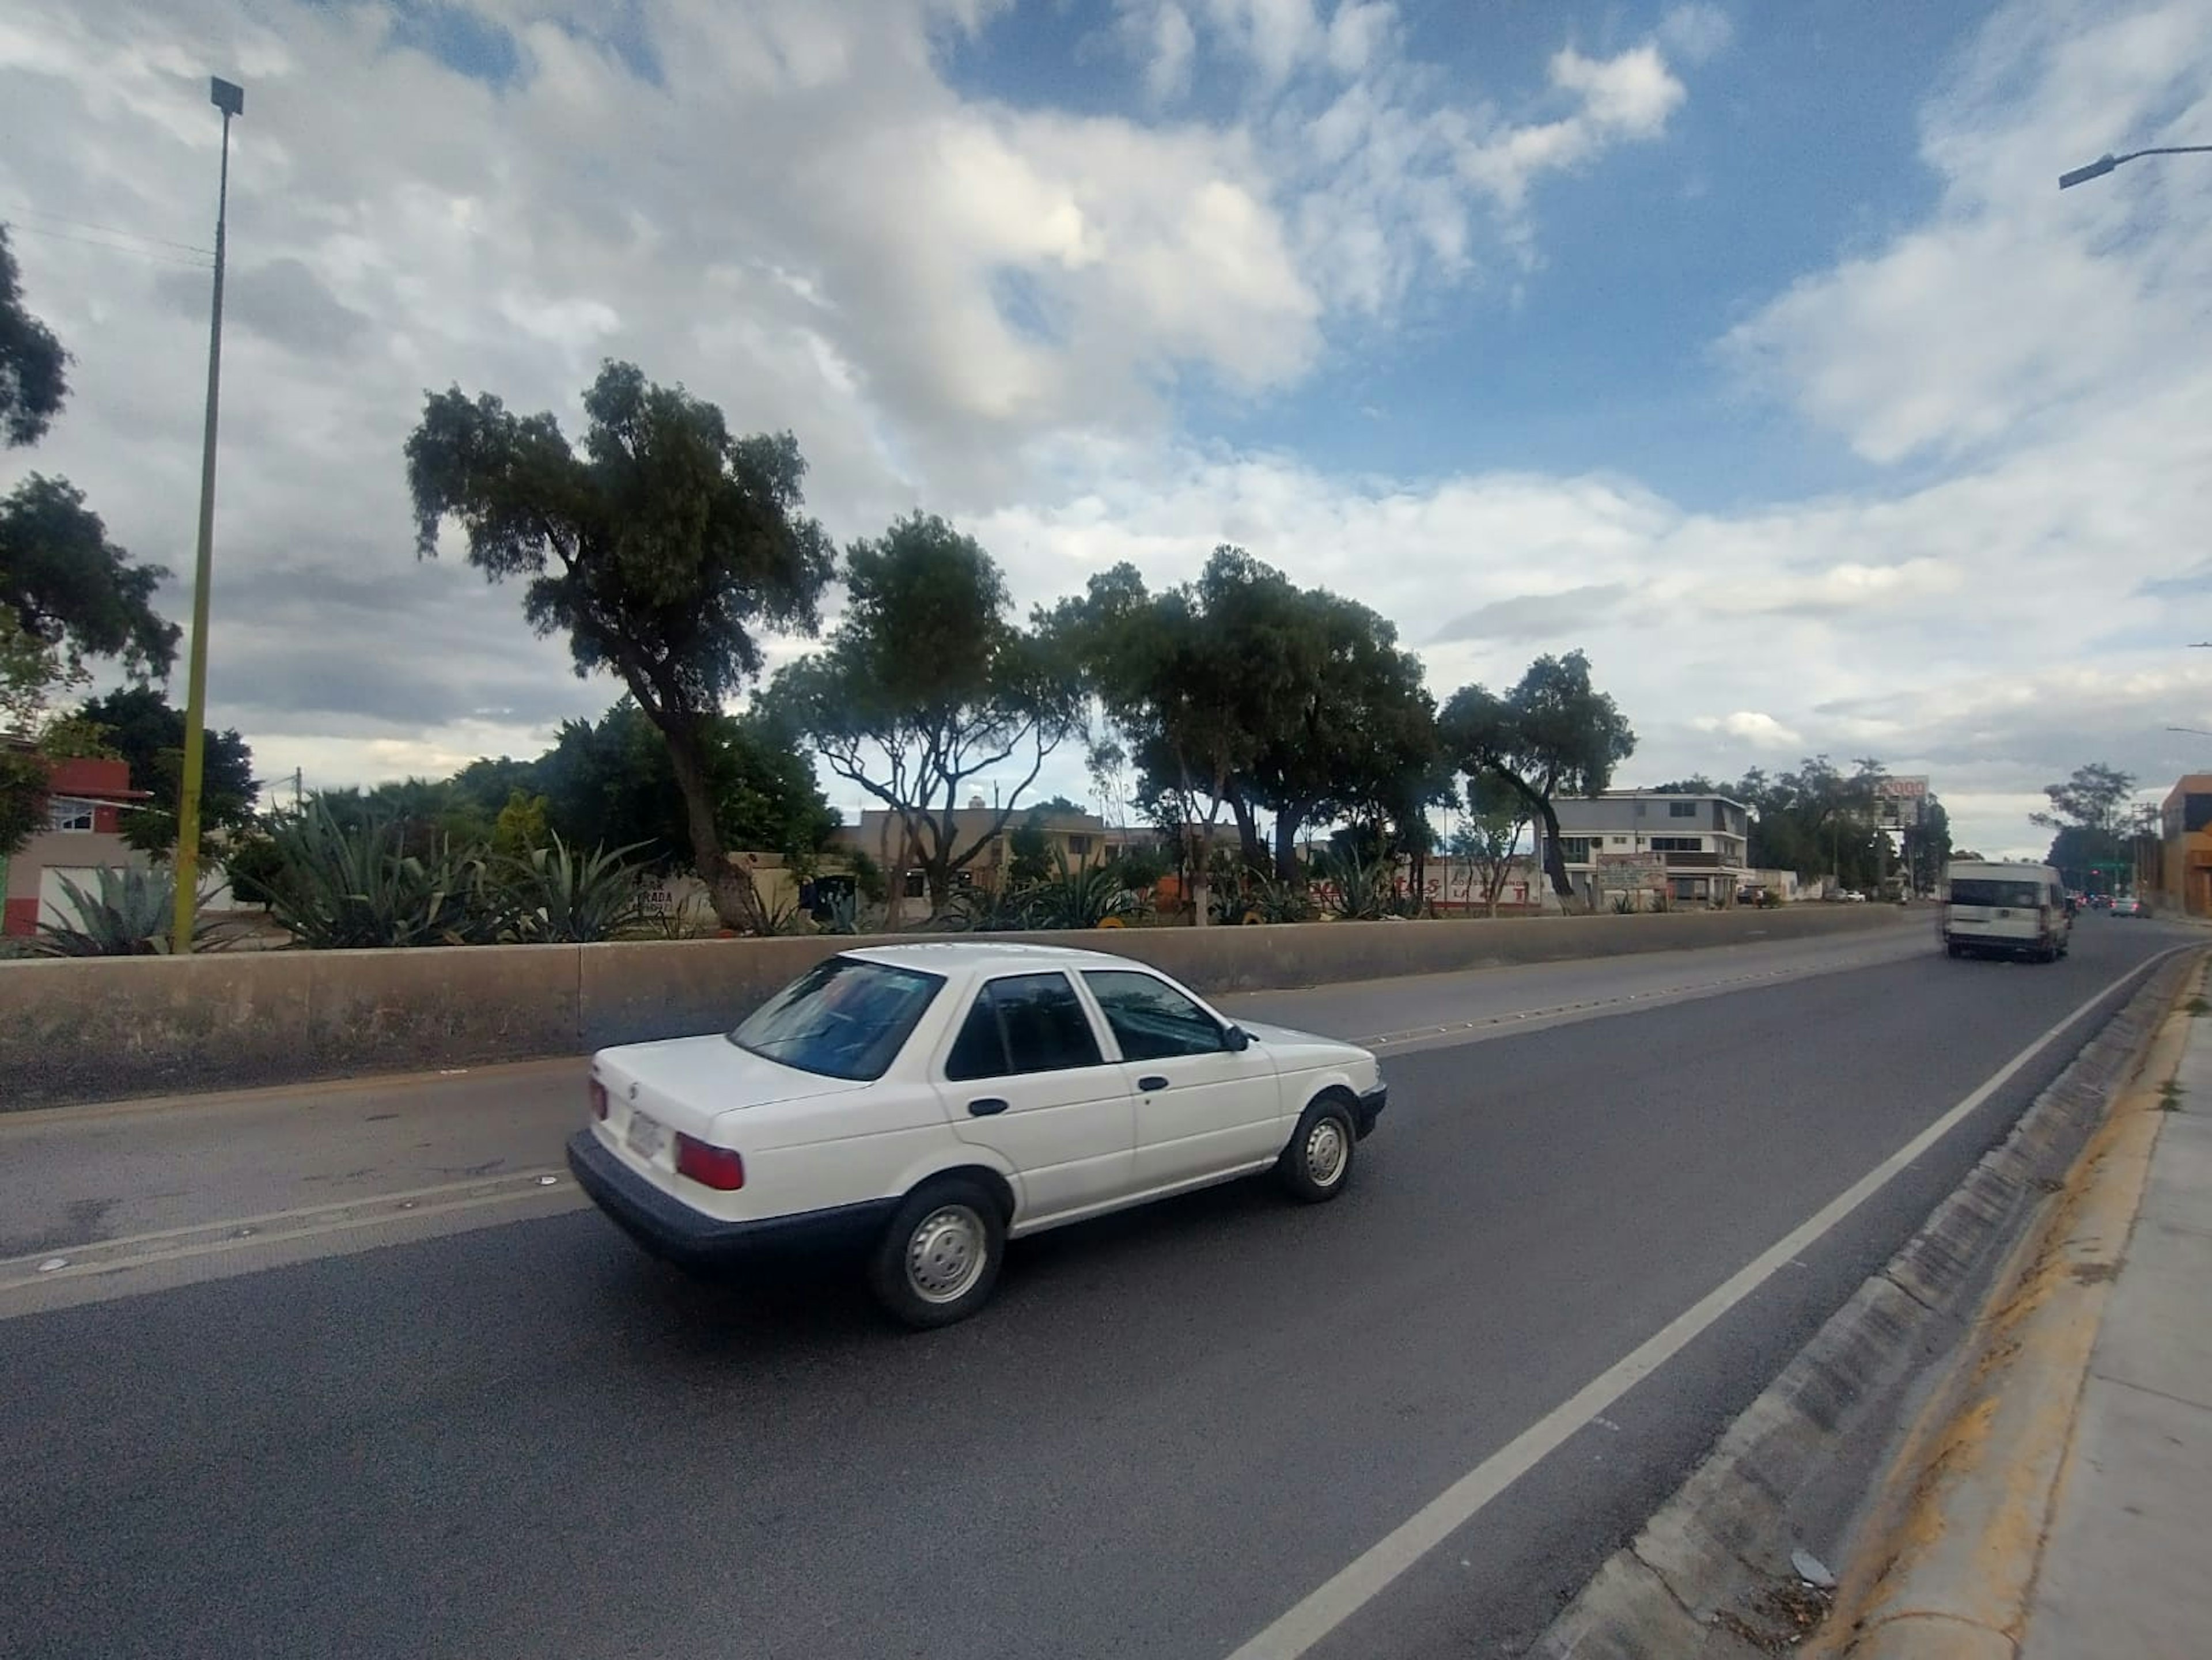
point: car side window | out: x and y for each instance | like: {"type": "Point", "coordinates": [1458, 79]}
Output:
{"type": "Point", "coordinates": [1024, 1022]}
{"type": "Point", "coordinates": [1151, 1019]}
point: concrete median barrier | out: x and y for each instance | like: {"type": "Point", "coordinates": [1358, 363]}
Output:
{"type": "Point", "coordinates": [106, 1028]}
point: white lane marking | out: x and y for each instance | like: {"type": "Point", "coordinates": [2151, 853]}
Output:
{"type": "Point", "coordinates": [1364, 1578]}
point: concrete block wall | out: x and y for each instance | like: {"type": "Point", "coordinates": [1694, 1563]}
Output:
{"type": "Point", "coordinates": [104, 1029]}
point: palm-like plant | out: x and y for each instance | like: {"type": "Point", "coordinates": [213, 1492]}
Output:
{"type": "Point", "coordinates": [128, 913]}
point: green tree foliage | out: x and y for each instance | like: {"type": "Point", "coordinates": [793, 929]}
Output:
{"type": "Point", "coordinates": [71, 588]}
{"type": "Point", "coordinates": [1242, 692]}
{"type": "Point", "coordinates": [662, 548]}
{"type": "Point", "coordinates": [2089, 819]}
{"type": "Point", "coordinates": [1553, 734]}
{"type": "Point", "coordinates": [927, 684]}
{"type": "Point", "coordinates": [1351, 735]}
{"type": "Point", "coordinates": [138, 724]}
{"type": "Point", "coordinates": [33, 367]}
{"type": "Point", "coordinates": [66, 593]}
{"type": "Point", "coordinates": [1183, 678]}
{"type": "Point", "coordinates": [612, 782]}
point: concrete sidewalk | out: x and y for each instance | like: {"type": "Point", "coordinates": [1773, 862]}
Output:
{"type": "Point", "coordinates": [2127, 1569]}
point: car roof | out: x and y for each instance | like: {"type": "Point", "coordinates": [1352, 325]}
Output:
{"type": "Point", "coordinates": [958, 956]}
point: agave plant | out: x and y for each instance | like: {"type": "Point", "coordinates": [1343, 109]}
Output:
{"type": "Point", "coordinates": [1280, 901]}
{"type": "Point", "coordinates": [555, 894]}
{"type": "Point", "coordinates": [343, 887]}
{"type": "Point", "coordinates": [984, 911]}
{"type": "Point", "coordinates": [1087, 896]}
{"type": "Point", "coordinates": [1363, 887]}
{"type": "Point", "coordinates": [129, 913]}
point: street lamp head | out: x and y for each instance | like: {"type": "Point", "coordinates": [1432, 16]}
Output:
{"type": "Point", "coordinates": [230, 97]}
{"type": "Point", "coordinates": [2097, 169]}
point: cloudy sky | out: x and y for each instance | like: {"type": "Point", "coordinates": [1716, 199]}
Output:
{"type": "Point", "coordinates": [1751, 347]}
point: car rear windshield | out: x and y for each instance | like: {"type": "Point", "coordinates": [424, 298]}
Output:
{"type": "Point", "coordinates": [1982, 891]}
{"type": "Point", "coordinates": [844, 1018]}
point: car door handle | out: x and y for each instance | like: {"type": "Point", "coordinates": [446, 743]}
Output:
{"type": "Point", "coordinates": [988, 1106]}
{"type": "Point", "coordinates": [1154, 1082]}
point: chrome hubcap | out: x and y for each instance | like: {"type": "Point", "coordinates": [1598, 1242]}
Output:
{"type": "Point", "coordinates": [1325, 1151]}
{"type": "Point", "coordinates": [945, 1254]}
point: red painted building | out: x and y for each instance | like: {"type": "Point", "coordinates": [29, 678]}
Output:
{"type": "Point", "coordinates": [85, 802]}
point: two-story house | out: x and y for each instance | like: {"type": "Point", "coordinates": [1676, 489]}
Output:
{"type": "Point", "coordinates": [1695, 848]}
{"type": "Point", "coordinates": [85, 802]}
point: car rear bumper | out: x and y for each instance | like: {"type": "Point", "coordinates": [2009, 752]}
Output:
{"type": "Point", "coordinates": [668, 1227]}
{"type": "Point", "coordinates": [1371, 1107]}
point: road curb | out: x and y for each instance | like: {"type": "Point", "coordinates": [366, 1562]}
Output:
{"type": "Point", "coordinates": [1712, 1575]}
{"type": "Point", "coordinates": [1950, 1556]}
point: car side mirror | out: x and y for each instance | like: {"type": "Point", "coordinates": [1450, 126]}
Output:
{"type": "Point", "coordinates": [1236, 1039]}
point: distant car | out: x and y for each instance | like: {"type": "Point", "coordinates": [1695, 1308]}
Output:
{"type": "Point", "coordinates": [926, 1102]}
{"type": "Point", "coordinates": [2100, 902]}
{"type": "Point", "coordinates": [2127, 905]}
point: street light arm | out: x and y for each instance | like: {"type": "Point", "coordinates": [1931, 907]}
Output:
{"type": "Point", "coordinates": [2104, 163]}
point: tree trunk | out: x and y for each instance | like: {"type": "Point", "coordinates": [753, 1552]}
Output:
{"type": "Point", "coordinates": [1286, 845]}
{"type": "Point", "coordinates": [1248, 831]}
{"type": "Point", "coordinates": [730, 888]}
{"type": "Point", "coordinates": [1555, 864]}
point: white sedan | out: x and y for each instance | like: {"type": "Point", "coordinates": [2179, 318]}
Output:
{"type": "Point", "coordinates": [930, 1102]}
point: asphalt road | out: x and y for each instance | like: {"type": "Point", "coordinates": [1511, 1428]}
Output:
{"type": "Point", "coordinates": [528, 1439]}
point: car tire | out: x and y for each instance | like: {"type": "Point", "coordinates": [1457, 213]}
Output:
{"type": "Point", "coordinates": [938, 1259]}
{"type": "Point", "coordinates": [1316, 1163]}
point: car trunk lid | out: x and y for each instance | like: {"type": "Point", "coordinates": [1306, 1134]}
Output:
{"type": "Point", "coordinates": [685, 1085]}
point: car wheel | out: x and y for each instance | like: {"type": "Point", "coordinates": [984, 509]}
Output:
{"type": "Point", "coordinates": [938, 1258]}
{"type": "Point", "coordinates": [1317, 1162]}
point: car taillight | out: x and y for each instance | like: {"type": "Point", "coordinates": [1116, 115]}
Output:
{"type": "Point", "coordinates": [708, 1165]}
{"type": "Point", "coordinates": [599, 1093]}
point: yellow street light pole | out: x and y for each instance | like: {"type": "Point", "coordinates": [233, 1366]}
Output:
{"type": "Point", "coordinates": [231, 100]}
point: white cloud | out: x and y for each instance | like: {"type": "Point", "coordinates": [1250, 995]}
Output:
{"type": "Point", "coordinates": [1758, 730]}
{"type": "Point", "coordinates": [2016, 309]}
{"type": "Point", "coordinates": [988, 310]}
{"type": "Point", "coordinates": [1697, 32]}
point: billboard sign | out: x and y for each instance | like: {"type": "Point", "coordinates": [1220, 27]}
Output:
{"type": "Point", "coordinates": [1900, 803]}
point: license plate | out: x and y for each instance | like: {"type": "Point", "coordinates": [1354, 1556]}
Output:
{"type": "Point", "coordinates": [645, 1136]}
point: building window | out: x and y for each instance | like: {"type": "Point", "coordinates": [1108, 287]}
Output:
{"type": "Point", "coordinates": [1681, 809]}
{"type": "Point", "coordinates": [1620, 840]}
{"type": "Point", "coordinates": [1678, 844]}
{"type": "Point", "coordinates": [2195, 812]}
{"type": "Point", "coordinates": [1079, 846]}
{"type": "Point", "coordinates": [66, 812]}
{"type": "Point", "coordinates": [917, 884]}
{"type": "Point", "coordinates": [1575, 850]}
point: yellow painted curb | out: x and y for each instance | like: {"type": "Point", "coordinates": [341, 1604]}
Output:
{"type": "Point", "coordinates": [1970, 1495]}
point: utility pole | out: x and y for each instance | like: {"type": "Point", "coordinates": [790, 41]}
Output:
{"type": "Point", "coordinates": [231, 100]}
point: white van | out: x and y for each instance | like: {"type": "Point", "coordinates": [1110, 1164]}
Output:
{"type": "Point", "coordinates": [2019, 910]}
